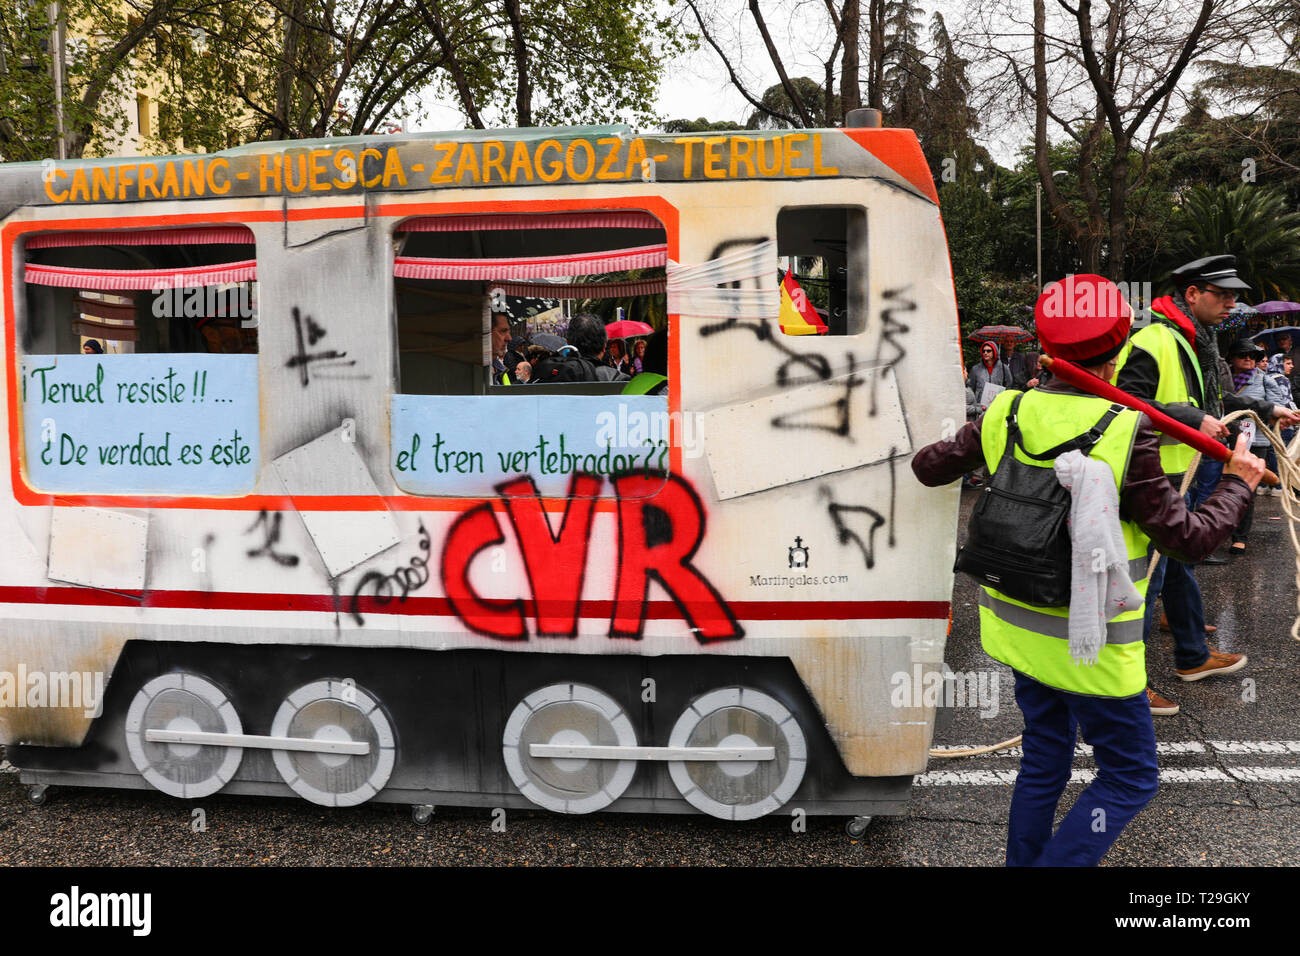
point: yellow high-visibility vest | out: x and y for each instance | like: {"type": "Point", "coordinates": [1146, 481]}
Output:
{"type": "Point", "coordinates": [1035, 640]}
{"type": "Point", "coordinates": [1164, 344]}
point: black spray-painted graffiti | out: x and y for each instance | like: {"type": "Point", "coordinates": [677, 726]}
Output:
{"type": "Point", "coordinates": [845, 518]}
{"type": "Point", "coordinates": [308, 333]}
{"type": "Point", "coordinates": [401, 582]}
{"type": "Point", "coordinates": [798, 368]}
{"type": "Point", "coordinates": [270, 525]}
{"type": "Point", "coordinates": [890, 328]}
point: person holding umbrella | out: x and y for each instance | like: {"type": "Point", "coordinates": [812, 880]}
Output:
{"type": "Point", "coordinates": [989, 370]}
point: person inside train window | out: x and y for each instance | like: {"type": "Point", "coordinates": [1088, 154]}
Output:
{"type": "Point", "coordinates": [582, 358]}
{"type": "Point", "coordinates": [500, 341]}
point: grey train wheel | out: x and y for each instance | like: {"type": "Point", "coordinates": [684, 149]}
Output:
{"type": "Point", "coordinates": [568, 715]}
{"type": "Point", "coordinates": [739, 790]}
{"type": "Point", "coordinates": [183, 703]}
{"type": "Point", "coordinates": [338, 711]}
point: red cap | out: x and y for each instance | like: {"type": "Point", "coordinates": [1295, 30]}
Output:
{"type": "Point", "coordinates": [1084, 319]}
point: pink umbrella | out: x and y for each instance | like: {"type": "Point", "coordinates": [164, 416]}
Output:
{"type": "Point", "coordinates": [626, 329]}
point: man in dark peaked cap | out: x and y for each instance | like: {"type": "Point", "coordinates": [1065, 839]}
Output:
{"type": "Point", "coordinates": [1173, 364]}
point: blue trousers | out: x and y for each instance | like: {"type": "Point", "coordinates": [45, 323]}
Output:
{"type": "Point", "coordinates": [1124, 746]}
{"type": "Point", "coordinates": [1176, 583]}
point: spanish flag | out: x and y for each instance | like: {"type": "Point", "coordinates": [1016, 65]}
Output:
{"type": "Point", "coordinates": [798, 317]}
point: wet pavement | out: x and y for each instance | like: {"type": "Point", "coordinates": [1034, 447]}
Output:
{"type": "Point", "coordinates": [1229, 795]}
{"type": "Point", "coordinates": [1230, 760]}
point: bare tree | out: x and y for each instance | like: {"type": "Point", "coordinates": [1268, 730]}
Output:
{"type": "Point", "coordinates": [842, 29]}
{"type": "Point", "coordinates": [1107, 79]}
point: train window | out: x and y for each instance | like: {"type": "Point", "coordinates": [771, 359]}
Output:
{"type": "Point", "coordinates": [821, 254]}
{"type": "Point", "coordinates": [138, 361]}
{"type": "Point", "coordinates": [486, 308]}
{"type": "Point", "coordinates": [459, 277]}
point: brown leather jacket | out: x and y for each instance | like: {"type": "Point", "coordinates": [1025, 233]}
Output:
{"type": "Point", "coordinates": [1147, 497]}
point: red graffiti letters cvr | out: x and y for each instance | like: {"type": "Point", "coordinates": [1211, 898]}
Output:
{"type": "Point", "coordinates": [661, 524]}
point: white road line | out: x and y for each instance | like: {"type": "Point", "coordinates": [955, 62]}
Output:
{"type": "Point", "coordinates": [993, 778]}
{"type": "Point", "coordinates": [1166, 747]}
{"type": "Point", "coordinates": [1256, 746]}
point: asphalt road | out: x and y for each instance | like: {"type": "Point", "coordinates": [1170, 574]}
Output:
{"type": "Point", "coordinates": [1232, 797]}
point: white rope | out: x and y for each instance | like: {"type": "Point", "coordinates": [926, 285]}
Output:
{"type": "Point", "coordinates": [1288, 473]}
{"type": "Point", "coordinates": [976, 751]}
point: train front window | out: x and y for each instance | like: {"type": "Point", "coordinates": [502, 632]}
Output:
{"type": "Point", "coordinates": [138, 361]}
{"type": "Point", "coordinates": [822, 269]}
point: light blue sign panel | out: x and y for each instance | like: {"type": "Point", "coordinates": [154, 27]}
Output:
{"type": "Point", "coordinates": [183, 424]}
{"type": "Point", "coordinates": [458, 445]}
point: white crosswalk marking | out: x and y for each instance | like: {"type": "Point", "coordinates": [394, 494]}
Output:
{"type": "Point", "coordinates": [1162, 747]}
{"type": "Point", "coordinates": [986, 778]}
{"type": "Point", "coordinates": [947, 774]}
{"type": "Point", "coordinates": [1256, 746]}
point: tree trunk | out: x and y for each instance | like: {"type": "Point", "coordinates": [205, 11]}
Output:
{"type": "Point", "coordinates": [805, 118]}
{"type": "Point", "coordinates": [284, 78]}
{"type": "Point", "coordinates": [523, 89]}
{"type": "Point", "coordinates": [850, 80]}
{"type": "Point", "coordinates": [876, 54]}
{"type": "Point", "coordinates": [1118, 210]}
{"type": "Point", "coordinates": [1077, 231]}
{"type": "Point", "coordinates": [453, 65]}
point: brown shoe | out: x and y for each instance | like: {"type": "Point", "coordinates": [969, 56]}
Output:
{"type": "Point", "coordinates": [1164, 624]}
{"type": "Point", "coordinates": [1216, 663]}
{"type": "Point", "coordinates": [1160, 706]}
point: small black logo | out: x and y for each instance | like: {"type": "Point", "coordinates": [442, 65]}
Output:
{"type": "Point", "coordinates": [798, 554]}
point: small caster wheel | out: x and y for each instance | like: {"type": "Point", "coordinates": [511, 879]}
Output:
{"type": "Point", "coordinates": [37, 794]}
{"type": "Point", "coordinates": [421, 814]}
{"type": "Point", "coordinates": [857, 826]}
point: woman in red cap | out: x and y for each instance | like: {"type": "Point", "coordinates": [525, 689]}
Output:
{"type": "Point", "coordinates": [1086, 320]}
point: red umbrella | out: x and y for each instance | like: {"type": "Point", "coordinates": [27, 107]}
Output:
{"type": "Point", "coordinates": [626, 329]}
{"type": "Point", "coordinates": [1002, 334]}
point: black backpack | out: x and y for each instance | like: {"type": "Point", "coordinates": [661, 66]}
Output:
{"type": "Point", "coordinates": [1019, 536]}
{"type": "Point", "coordinates": [568, 366]}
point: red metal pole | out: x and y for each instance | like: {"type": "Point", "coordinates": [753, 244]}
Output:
{"type": "Point", "coordinates": [1169, 426]}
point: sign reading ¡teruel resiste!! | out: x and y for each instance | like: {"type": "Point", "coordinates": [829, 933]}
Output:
{"type": "Point", "coordinates": [421, 164]}
{"type": "Point", "coordinates": [140, 424]}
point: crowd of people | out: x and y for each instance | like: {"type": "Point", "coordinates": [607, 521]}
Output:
{"type": "Point", "coordinates": [1225, 372]}
{"type": "Point", "coordinates": [584, 354]}
{"type": "Point", "coordinates": [1263, 379]}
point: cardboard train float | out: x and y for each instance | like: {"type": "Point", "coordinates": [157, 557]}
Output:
{"type": "Point", "coordinates": [274, 526]}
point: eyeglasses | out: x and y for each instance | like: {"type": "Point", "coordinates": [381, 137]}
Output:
{"type": "Point", "coordinates": [1226, 294]}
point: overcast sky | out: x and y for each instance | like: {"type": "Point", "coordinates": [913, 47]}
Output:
{"type": "Point", "coordinates": [696, 84]}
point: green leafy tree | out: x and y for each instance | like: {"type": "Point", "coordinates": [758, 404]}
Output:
{"type": "Point", "coordinates": [700, 125]}
{"type": "Point", "coordinates": [1253, 223]}
{"type": "Point", "coordinates": [650, 309]}
{"type": "Point", "coordinates": [107, 43]}
{"type": "Point", "coordinates": [949, 122]}
{"type": "Point", "coordinates": [907, 76]}
{"type": "Point", "coordinates": [232, 71]}
{"type": "Point", "coordinates": [776, 104]}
